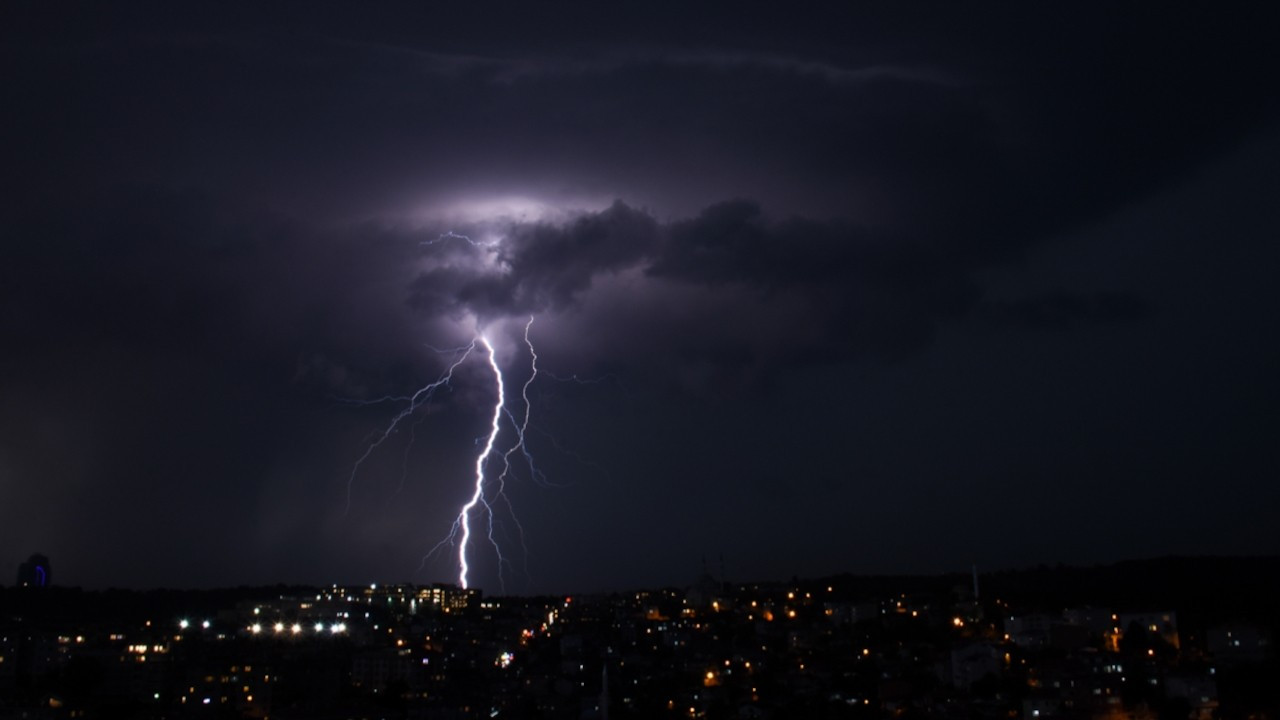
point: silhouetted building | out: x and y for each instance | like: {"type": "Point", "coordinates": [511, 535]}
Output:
{"type": "Point", "coordinates": [1157, 624]}
{"type": "Point", "coordinates": [35, 572]}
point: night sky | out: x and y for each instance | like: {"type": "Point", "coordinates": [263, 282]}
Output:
{"type": "Point", "coordinates": [900, 290]}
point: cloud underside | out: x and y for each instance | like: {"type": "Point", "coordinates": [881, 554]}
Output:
{"type": "Point", "coordinates": [731, 291]}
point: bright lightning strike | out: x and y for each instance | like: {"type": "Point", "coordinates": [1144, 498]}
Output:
{"type": "Point", "coordinates": [488, 487]}
{"type": "Point", "coordinates": [464, 516]}
{"type": "Point", "coordinates": [486, 491]}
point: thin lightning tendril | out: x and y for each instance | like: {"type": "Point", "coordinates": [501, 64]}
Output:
{"type": "Point", "coordinates": [522, 426]}
{"type": "Point", "coordinates": [451, 235]}
{"type": "Point", "coordinates": [417, 400]}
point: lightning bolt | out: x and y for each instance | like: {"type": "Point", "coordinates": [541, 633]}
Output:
{"type": "Point", "coordinates": [477, 498]}
{"type": "Point", "coordinates": [489, 489]}
{"type": "Point", "coordinates": [479, 515]}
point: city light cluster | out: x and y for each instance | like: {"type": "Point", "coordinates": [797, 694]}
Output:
{"type": "Point", "coordinates": [296, 629]}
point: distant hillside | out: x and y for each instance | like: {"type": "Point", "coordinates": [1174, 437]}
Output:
{"type": "Point", "coordinates": [1217, 588]}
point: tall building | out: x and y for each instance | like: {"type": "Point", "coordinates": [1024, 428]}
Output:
{"type": "Point", "coordinates": [35, 572]}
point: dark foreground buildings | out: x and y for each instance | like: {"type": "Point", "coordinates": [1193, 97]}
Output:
{"type": "Point", "coordinates": [1137, 642]}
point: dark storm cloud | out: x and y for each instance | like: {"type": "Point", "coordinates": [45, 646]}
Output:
{"type": "Point", "coordinates": [534, 266]}
{"type": "Point", "coordinates": [1063, 310]}
{"type": "Point", "coordinates": [214, 221]}
{"type": "Point", "coordinates": [904, 129]}
{"type": "Point", "coordinates": [497, 69]}
{"type": "Point", "coordinates": [160, 353]}
{"type": "Point", "coordinates": [856, 291]}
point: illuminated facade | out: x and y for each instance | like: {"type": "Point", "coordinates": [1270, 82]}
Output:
{"type": "Point", "coordinates": [447, 598]}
